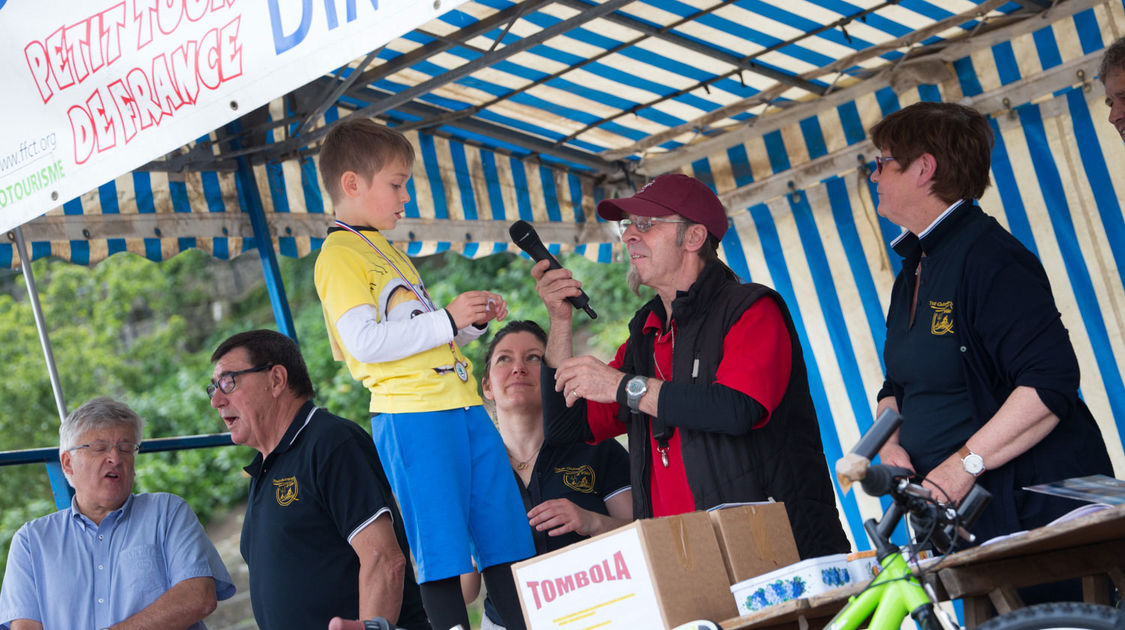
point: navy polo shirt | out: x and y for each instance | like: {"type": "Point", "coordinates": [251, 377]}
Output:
{"type": "Point", "coordinates": [586, 474]}
{"type": "Point", "coordinates": [1011, 335]}
{"type": "Point", "coordinates": [924, 356]}
{"type": "Point", "coordinates": [319, 487]}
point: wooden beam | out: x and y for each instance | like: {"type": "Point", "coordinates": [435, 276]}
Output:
{"type": "Point", "coordinates": [977, 611]}
{"type": "Point", "coordinates": [1074, 72]}
{"type": "Point", "coordinates": [1005, 599]}
{"type": "Point", "coordinates": [799, 178]}
{"type": "Point", "coordinates": [237, 225]}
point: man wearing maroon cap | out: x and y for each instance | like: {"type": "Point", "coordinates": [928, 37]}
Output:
{"type": "Point", "coordinates": [710, 385]}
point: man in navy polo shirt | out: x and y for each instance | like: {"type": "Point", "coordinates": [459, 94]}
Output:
{"type": "Point", "coordinates": [322, 536]}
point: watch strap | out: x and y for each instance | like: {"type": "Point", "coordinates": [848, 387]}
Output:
{"type": "Point", "coordinates": [622, 396]}
{"type": "Point", "coordinates": [964, 452]}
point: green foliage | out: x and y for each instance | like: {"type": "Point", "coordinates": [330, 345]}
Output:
{"type": "Point", "coordinates": [119, 329]}
{"type": "Point", "coordinates": [447, 275]}
{"type": "Point", "coordinates": [143, 333]}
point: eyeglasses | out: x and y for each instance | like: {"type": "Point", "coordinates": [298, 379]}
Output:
{"type": "Point", "coordinates": [644, 224]}
{"type": "Point", "coordinates": [880, 160]}
{"type": "Point", "coordinates": [226, 382]}
{"type": "Point", "coordinates": [124, 448]}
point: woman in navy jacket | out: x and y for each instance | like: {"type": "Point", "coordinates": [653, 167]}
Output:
{"type": "Point", "coordinates": [978, 360]}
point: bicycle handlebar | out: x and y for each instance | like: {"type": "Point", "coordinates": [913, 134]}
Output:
{"type": "Point", "coordinates": [853, 467]}
{"type": "Point", "coordinates": [881, 480]}
{"type": "Point", "coordinates": [886, 424]}
{"type": "Point", "coordinates": [945, 523]}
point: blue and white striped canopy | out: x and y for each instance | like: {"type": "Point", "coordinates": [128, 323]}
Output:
{"type": "Point", "coordinates": [537, 109]}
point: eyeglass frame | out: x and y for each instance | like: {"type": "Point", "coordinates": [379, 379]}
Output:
{"type": "Point", "coordinates": [651, 223]}
{"type": "Point", "coordinates": [880, 160]}
{"type": "Point", "coordinates": [216, 386]}
{"type": "Point", "coordinates": [94, 448]}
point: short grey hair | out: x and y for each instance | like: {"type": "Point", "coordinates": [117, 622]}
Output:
{"type": "Point", "coordinates": [1113, 60]}
{"type": "Point", "coordinates": [98, 413]}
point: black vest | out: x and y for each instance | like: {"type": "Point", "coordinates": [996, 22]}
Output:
{"type": "Point", "coordinates": [783, 460]}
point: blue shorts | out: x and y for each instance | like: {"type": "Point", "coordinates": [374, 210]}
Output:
{"type": "Point", "coordinates": [455, 488]}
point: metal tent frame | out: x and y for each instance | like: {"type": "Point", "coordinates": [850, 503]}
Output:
{"type": "Point", "coordinates": [537, 109]}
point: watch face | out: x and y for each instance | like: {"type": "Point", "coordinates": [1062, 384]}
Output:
{"type": "Point", "coordinates": [636, 387]}
{"type": "Point", "coordinates": [973, 463]}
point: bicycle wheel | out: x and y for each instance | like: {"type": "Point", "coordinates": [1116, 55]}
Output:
{"type": "Point", "coordinates": [1059, 616]}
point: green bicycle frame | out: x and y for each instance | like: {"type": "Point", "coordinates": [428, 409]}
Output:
{"type": "Point", "coordinates": [892, 595]}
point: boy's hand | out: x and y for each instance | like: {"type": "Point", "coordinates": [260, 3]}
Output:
{"type": "Point", "coordinates": [477, 307]}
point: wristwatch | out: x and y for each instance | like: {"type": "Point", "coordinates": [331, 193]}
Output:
{"type": "Point", "coordinates": [973, 463]}
{"type": "Point", "coordinates": [634, 390]}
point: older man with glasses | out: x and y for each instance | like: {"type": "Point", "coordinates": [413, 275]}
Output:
{"type": "Point", "coordinates": [710, 385]}
{"type": "Point", "coordinates": [113, 559]}
{"type": "Point", "coordinates": [322, 535]}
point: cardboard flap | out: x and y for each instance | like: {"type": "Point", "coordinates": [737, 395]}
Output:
{"type": "Point", "coordinates": [754, 539]}
{"type": "Point", "coordinates": [683, 551]}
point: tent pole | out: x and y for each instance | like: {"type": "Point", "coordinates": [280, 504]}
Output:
{"type": "Point", "coordinates": [59, 486]}
{"type": "Point", "coordinates": [252, 204]}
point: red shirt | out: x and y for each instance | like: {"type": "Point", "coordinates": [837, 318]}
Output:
{"type": "Point", "coordinates": [757, 358]}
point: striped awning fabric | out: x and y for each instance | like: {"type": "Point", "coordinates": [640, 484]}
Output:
{"type": "Point", "coordinates": [736, 93]}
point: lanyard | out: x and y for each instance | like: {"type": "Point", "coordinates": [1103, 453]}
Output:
{"type": "Point", "coordinates": [459, 367]}
{"type": "Point", "coordinates": [423, 298]}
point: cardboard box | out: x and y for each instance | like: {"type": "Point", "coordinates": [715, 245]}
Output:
{"type": "Point", "coordinates": [754, 538]}
{"type": "Point", "coordinates": [652, 573]}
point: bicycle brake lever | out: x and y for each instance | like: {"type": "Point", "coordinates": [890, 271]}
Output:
{"type": "Point", "coordinates": [965, 534]}
{"type": "Point", "coordinates": [915, 490]}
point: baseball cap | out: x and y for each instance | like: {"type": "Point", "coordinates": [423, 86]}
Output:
{"type": "Point", "coordinates": [671, 193]}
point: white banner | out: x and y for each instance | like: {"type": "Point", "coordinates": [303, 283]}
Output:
{"type": "Point", "coordinates": [95, 88]}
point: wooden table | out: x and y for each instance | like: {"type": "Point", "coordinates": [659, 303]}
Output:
{"type": "Point", "coordinates": [1091, 547]}
{"type": "Point", "coordinates": [799, 614]}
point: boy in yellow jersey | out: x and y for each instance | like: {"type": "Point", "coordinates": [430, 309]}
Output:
{"type": "Point", "coordinates": [442, 454]}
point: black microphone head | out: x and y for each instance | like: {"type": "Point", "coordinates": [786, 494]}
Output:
{"type": "Point", "coordinates": [519, 231]}
{"type": "Point", "coordinates": [527, 239]}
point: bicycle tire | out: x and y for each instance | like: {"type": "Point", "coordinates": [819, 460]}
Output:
{"type": "Point", "coordinates": [1059, 615]}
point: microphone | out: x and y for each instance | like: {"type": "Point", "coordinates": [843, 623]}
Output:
{"type": "Point", "coordinates": [527, 239]}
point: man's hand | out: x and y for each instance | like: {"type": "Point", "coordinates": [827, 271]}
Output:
{"type": "Point", "coordinates": [554, 286]}
{"type": "Point", "coordinates": [589, 378]}
{"type": "Point", "coordinates": [477, 307]}
{"type": "Point", "coordinates": [339, 623]}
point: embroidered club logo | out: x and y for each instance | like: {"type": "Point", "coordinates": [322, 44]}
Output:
{"type": "Point", "coordinates": [285, 490]}
{"type": "Point", "coordinates": [942, 323]}
{"type": "Point", "coordinates": [580, 478]}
